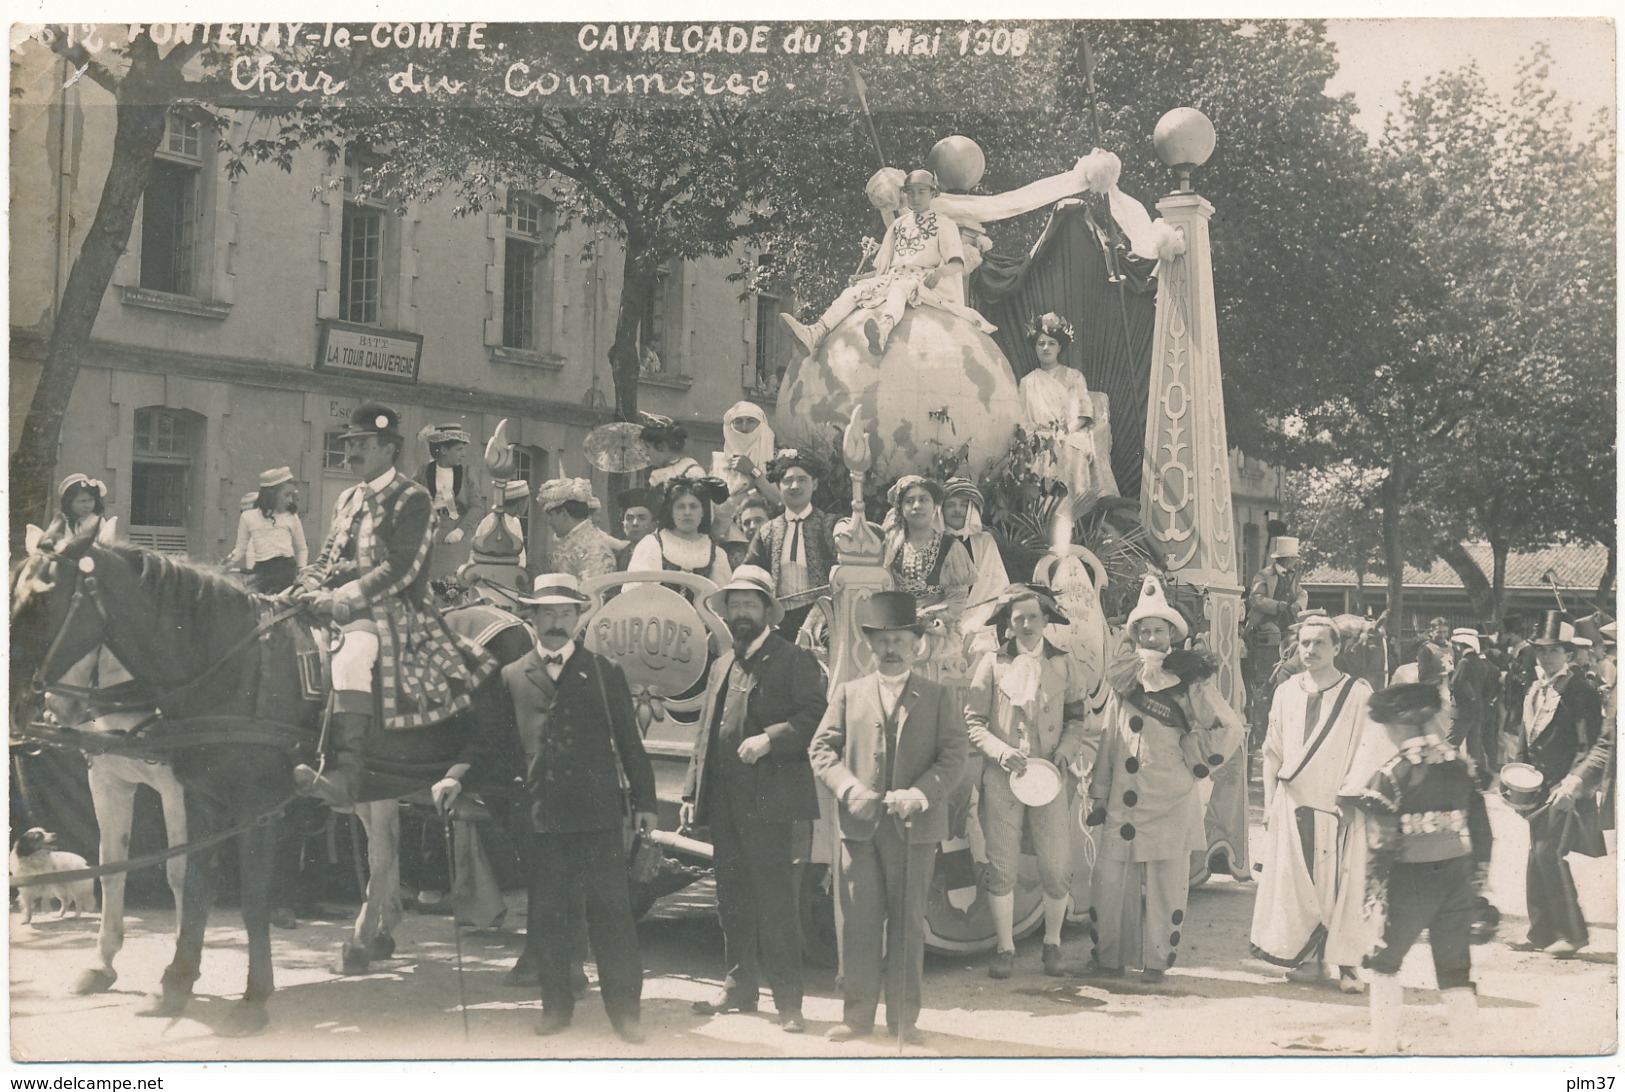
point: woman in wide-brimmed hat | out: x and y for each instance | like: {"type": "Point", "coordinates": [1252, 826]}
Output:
{"type": "Point", "coordinates": [271, 544]}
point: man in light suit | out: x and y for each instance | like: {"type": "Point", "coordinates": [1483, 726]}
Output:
{"type": "Point", "coordinates": [750, 783]}
{"type": "Point", "coordinates": [570, 726]}
{"type": "Point", "coordinates": [891, 747]}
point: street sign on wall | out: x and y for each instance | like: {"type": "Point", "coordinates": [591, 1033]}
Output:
{"type": "Point", "coordinates": [363, 350]}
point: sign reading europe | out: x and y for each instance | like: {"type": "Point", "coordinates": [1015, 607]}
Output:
{"type": "Point", "coordinates": [656, 636]}
{"type": "Point", "coordinates": [362, 350]}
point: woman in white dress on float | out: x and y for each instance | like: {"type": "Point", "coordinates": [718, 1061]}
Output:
{"type": "Point", "coordinates": [1060, 410]}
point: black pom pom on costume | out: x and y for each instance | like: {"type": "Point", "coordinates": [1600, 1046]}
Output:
{"type": "Point", "coordinates": [1190, 665]}
{"type": "Point", "coordinates": [1199, 770]}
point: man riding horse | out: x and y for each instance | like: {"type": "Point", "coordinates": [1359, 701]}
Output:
{"type": "Point", "coordinates": [371, 579]}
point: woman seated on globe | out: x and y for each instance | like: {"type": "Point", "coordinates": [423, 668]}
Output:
{"type": "Point", "coordinates": [1061, 412]}
{"type": "Point", "coordinates": [666, 440]}
{"type": "Point", "coordinates": [683, 542]}
{"type": "Point", "coordinates": [919, 249]}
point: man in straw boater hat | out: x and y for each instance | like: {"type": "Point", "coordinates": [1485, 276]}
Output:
{"type": "Point", "coordinates": [1565, 738]}
{"type": "Point", "coordinates": [452, 488]}
{"type": "Point", "coordinates": [798, 545]}
{"type": "Point", "coordinates": [750, 782]}
{"type": "Point", "coordinates": [371, 578]}
{"type": "Point", "coordinates": [1028, 700]}
{"type": "Point", "coordinates": [1421, 827]}
{"type": "Point", "coordinates": [1165, 729]}
{"type": "Point", "coordinates": [570, 726]}
{"type": "Point", "coordinates": [891, 748]}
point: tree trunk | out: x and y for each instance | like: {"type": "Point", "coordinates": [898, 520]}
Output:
{"type": "Point", "coordinates": [1605, 586]}
{"type": "Point", "coordinates": [1472, 577]}
{"type": "Point", "coordinates": [637, 282]}
{"type": "Point", "coordinates": [1499, 551]}
{"type": "Point", "coordinates": [140, 128]}
{"type": "Point", "coordinates": [1394, 488]}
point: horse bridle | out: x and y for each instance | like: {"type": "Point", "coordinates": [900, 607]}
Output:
{"type": "Point", "coordinates": [87, 587]}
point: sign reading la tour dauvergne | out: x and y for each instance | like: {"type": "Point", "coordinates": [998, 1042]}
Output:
{"type": "Point", "coordinates": [363, 350]}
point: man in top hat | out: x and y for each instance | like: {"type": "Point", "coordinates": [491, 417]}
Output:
{"type": "Point", "coordinates": [1165, 729]}
{"type": "Point", "coordinates": [749, 782]}
{"type": "Point", "coordinates": [638, 509]}
{"type": "Point", "coordinates": [456, 505]}
{"type": "Point", "coordinates": [891, 748]}
{"type": "Point", "coordinates": [570, 726]}
{"type": "Point", "coordinates": [1028, 700]}
{"type": "Point", "coordinates": [798, 545]}
{"type": "Point", "coordinates": [579, 547]}
{"type": "Point", "coordinates": [371, 578]}
{"type": "Point", "coordinates": [1564, 737]}
{"type": "Point", "coordinates": [1274, 601]}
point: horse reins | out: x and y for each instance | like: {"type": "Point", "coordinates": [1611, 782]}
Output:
{"type": "Point", "coordinates": [87, 583]}
{"type": "Point", "coordinates": [98, 871]}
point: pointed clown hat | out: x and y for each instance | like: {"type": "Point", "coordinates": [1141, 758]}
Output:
{"type": "Point", "coordinates": [1154, 604]}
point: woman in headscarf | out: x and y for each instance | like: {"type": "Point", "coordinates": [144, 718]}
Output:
{"type": "Point", "coordinates": [747, 448]}
{"type": "Point", "coordinates": [1060, 411]}
{"type": "Point", "coordinates": [683, 542]}
{"type": "Point", "coordinates": [962, 519]}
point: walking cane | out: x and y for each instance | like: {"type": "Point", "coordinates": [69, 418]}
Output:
{"type": "Point", "coordinates": [908, 827]}
{"type": "Point", "coordinates": [456, 928]}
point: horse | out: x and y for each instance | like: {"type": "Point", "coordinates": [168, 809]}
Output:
{"type": "Point", "coordinates": [231, 713]}
{"type": "Point", "coordinates": [113, 780]}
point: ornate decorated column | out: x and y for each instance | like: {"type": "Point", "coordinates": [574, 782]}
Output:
{"type": "Point", "coordinates": [1185, 494]}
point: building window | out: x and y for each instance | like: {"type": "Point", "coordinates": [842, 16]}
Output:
{"type": "Point", "coordinates": [530, 229]}
{"type": "Point", "coordinates": [333, 454]}
{"type": "Point", "coordinates": [360, 289]}
{"type": "Point", "coordinates": [161, 470]}
{"type": "Point", "coordinates": [762, 373]}
{"type": "Point", "coordinates": [170, 210]}
{"type": "Point", "coordinates": [654, 347]}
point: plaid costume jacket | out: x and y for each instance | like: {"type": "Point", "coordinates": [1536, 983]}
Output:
{"type": "Point", "coordinates": [377, 562]}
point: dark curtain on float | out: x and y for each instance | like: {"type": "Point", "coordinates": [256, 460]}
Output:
{"type": "Point", "coordinates": [1069, 273]}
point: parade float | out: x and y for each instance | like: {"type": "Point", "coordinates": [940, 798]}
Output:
{"type": "Point", "coordinates": [942, 396]}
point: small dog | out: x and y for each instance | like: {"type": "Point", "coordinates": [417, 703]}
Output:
{"type": "Point", "coordinates": [35, 853]}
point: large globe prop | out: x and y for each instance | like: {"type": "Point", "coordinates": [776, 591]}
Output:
{"type": "Point", "coordinates": [957, 161]}
{"type": "Point", "coordinates": [940, 383]}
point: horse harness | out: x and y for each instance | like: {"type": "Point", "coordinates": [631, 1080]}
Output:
{"type": "Point", "coordinates": [158, 732]}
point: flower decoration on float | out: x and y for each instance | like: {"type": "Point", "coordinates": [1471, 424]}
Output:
{"type": "Point", "coordinates": [1052, 324]}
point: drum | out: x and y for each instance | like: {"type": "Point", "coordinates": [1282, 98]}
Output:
{"type": "Point", "coordinates": [1521, 784]}
{"type": "Point", "coordinates": [1038, 784]}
